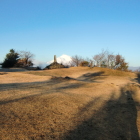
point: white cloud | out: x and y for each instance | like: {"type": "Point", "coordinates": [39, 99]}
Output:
{"type": "Point", "coordinates": [39, 64]}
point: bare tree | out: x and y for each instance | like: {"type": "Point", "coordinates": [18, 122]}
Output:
{"type": "Point", "coordinates": [111, 60]}
{"type": "Point", "coordinates": [70, 64]}
{"type": "Point", "coordinates": [91, 63]}
{"type": "Point", "coordinates": [118, 59]}
{"type": "Point", "coordinates": [103, 55]}
{"type": "Point", "coordinates": [100, 58]}
{"type": "Point", "coordinates": [96, 59]}
{"type": "Point", "coordinates": [107, 59]}
{"type": "Point", "coordinates": [76, 60]}
{"type": "Point", "coordinates": [26, 58]}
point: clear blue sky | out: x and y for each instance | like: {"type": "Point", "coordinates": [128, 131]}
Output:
{"type": "Point", "coordinates": [72, 27]}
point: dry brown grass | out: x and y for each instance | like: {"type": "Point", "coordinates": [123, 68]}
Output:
{"type": "Point", "coordinates": [80, 70]}
{"type": "Point", "coordinates": [92, 104]}
{"type": "Point", "coordinates": [112, 72]}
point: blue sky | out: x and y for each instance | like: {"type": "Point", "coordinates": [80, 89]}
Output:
{"type": "Point", "coordinates": [71, 27]}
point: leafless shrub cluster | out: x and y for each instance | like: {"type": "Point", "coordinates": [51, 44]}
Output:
{"type": "Point", "coordinates": [104, 59]}
{"type": "Point", "coordinates": [109, 60]}
{"type": "Point", "coordinates": [25, 59]}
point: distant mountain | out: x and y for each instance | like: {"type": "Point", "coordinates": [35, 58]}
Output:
{"type": "Point", "coordinates": [39, 64]}
{"type": "Point", "coordinates": [134, 68]}
{"type": "Point", "coordinates": [64, 59]}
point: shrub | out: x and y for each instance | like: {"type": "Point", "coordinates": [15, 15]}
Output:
{"type": "Point", "coordinates": [84, 63]}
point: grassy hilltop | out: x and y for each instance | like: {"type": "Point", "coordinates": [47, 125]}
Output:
{"type": "Point", "coordinates": [77, 103]}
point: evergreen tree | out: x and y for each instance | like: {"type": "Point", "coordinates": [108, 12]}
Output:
{"type": "Point", "coordinates": [10, 59]}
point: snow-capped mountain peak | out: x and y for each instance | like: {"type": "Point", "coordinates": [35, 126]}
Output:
{"type": "Point", "coordinates": [64, 59]}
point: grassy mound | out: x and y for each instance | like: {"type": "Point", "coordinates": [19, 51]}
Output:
{"type": "Point", "coordinates": [72, 104]}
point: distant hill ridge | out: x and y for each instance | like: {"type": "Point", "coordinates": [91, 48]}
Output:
{"type": "Point", "coordinates": [134, 68]}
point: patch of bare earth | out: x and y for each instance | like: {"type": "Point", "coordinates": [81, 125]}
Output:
{"type": "Point", "coordinates": [69, 104]}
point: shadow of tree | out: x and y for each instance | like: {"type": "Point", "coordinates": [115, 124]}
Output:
{"type": "Point", "coordinates": [12, 70]}
{"type": "Point", "coordinates": [71, 86]}
{"type": "Point", "coordinates": [91, 77]}
{"type": "Point", "coordinates": [3, 73]}
{"type": "Point", "coordinates": [38, 85]}
{"type": "Point", "coordinates": [137, 78]}
{"type": "Point", "coordinates": [116, 120]}
{"type": "Point", "coordinates": [9, 86]}
{"type": "Point", "coordinates": [53, 83]}
{"type": "Point", "coordinates": [15, 86]}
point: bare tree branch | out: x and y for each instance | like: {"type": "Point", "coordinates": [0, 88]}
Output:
{"type": "Point", "coordinates": [76, 60]}
{"type": "Point", "coordinates": [26, 56]}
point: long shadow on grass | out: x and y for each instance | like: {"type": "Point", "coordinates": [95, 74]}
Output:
{"type": "Point", "coordinates": [30, 85]}
{"type": "Point", "coordinates": [3, 73]}
{"type": "Point", "coordinates": [92, 77]}
{"type": "Point", "coordinates": [138, 77]}
{"type": "Point", "coordinates": [12, 70]}
{"type": "Point", "coordinates": [116, 120]}
{"type": "Point", "coordinates": [43, 86]}
{"type": "Point", "coordinates": [17, 100]}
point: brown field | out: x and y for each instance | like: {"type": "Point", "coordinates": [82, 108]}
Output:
{"type": "Point", "coordinates": [88, 104]}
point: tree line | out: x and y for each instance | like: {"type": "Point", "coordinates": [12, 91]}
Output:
{"type": "Point", "coordinates": [18, 59]}
{"type": "Point", "coordinates": [104, 59]}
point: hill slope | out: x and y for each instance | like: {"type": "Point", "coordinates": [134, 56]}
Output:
{"type": "Point", "coordinates": [87, 104]}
